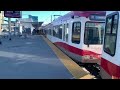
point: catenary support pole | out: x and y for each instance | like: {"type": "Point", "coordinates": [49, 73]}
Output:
{"type": "Point", "coordinates": [9, 25]}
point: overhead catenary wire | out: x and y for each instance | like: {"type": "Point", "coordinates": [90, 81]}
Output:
{"type": "Point", "coordinates": [49, 17]}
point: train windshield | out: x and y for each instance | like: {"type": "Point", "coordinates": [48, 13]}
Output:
{"type": "Point", "coordinates": [110, 38]}
{"type": "Point", "coordinates": [94, 32]}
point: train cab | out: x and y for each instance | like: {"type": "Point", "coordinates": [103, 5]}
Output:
{"type": "Point", "coordinates": [110, 62]}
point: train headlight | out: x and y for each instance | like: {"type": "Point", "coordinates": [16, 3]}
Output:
{"type": "Point", "coordinates": [86, 57]}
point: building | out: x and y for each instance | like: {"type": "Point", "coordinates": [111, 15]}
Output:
{"type": "Point", "coordinates": [13, 27]}
{"type": "Point", "coordinates": [28, 24]}
{"type": "Point", "coordinates": [34, 18]}
{"type": "Point", "coordinates": [37, 26]}
{"type": "Point", "coordinates": [25, 23]}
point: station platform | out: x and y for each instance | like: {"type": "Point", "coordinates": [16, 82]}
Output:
{"type": "Point", "coordinates": [35, 57]}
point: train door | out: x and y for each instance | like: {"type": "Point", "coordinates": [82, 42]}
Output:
{"type": "Point", "coordinates": [65, 32]}
{"type": "Point", "coordinates": [93, 38]}
{"type": "Point", "coordinates": [49, 30]}
{"type": "Point", "coordinates": [51, 33]}
{"type": "Point", "coordinates": [76, 32]}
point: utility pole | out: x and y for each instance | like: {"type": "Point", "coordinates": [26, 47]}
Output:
{"type": "Point", "coordinates": [9, 25]}
{"type": "Point", "coordinates": [51, 18]}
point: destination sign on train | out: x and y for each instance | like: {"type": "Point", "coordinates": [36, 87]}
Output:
{"type": "Point", "coordinates": [96, 17]}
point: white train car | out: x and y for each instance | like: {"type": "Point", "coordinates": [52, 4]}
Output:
{"type": "Point", "coordinates": [110, 61]}
{"type": "Point", "coordinates": [79, 34]}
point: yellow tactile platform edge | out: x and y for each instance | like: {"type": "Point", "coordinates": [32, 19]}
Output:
{"type": "Point", "coordinates": [74, 69]}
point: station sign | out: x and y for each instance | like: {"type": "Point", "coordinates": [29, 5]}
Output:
{"type": "Point", "coordinates": [97, 17]}
{"type": "Point", "coordinates": [12, 14]}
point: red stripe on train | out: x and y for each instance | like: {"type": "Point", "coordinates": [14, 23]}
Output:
{"type": "Point", "coordinates": [77, 50]}
{"type": "Point", "coordinates": [110, 68]}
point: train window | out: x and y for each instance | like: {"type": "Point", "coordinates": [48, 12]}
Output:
{"type": "Point", "coordinates": [63, 32]}
{"type": "Point", "coordinates": [94, 32]}
{"type": "Point", "coordinates": [111, 34]}
{"type": "Point", "coordinates": [54, 33]}
{"type": "Point", "coordinates": [57, 31]}
{"type": "Point", "coordinates": [60, 31]}
{"type": "Point", "coordinates": [66, 32]}
{"type": "Point", "coordinates": [49, 31]}
{"type": "Point", "coordinates": [76, 30]}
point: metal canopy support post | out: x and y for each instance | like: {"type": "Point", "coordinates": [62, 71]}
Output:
{"type": "Point", "coordinates": [9, 25]}
{"type": "Point", "coordinates": [51, 18]}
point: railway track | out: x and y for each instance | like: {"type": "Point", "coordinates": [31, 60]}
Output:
{"type": "Point", "coordinates": [93, 69]}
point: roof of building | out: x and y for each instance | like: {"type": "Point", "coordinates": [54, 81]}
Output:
{"type": "Point", "coordinates": [25, 20]}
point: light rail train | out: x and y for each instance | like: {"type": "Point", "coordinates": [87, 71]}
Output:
{"type": "Point", "coordinates": [79, 34]}
{"type": "Point", "coordinates": [110, 61]}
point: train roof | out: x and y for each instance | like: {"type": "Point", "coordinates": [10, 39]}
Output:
{"type": "Point", "coordinates": [76, 13]}
{"type": "Point", "coordinates": [80, 14]}
{"type": "Point", "coordinates": [48, 25]}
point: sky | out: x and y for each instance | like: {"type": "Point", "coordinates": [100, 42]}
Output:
{"type": "Point", "coordinates": [44, 16]}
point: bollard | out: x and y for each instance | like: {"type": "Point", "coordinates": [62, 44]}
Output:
{"type": "Point", "coordinates": [0, 42]}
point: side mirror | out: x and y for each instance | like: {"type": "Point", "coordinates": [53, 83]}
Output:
{"type": "Point", "coordinates": [88, 44]}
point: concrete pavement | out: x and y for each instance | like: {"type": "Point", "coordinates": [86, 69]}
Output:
{"type": "Point", "coordinates": [30, 58]}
